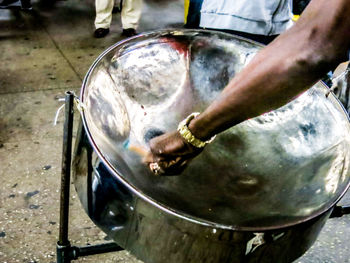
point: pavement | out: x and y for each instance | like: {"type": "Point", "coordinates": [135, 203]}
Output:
{"type": "Point", "coordinates": [44, 53]}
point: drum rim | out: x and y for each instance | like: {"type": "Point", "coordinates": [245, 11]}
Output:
{"type": "Point", "coordinates": [164, 207]}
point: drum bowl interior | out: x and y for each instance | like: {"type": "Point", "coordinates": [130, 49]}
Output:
{"type": "Point", "coordinates": [278, 169]}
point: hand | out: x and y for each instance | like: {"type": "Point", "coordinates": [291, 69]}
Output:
{"type": "Point", "coordinates": [170, 154]}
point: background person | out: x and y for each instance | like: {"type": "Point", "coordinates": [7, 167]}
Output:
{"type": "Point", "coordinates": [130, 16]}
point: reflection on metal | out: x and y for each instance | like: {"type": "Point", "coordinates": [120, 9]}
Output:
{"type": "Point", "coordinates": [278, 173]}
{"type": "Point", "coordinates": [255, 242]}
{"type": "Point", "coordinates": [341, 84]}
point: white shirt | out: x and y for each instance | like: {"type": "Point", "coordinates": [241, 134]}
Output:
{"type": "Point", "coordinates": [262, 17]}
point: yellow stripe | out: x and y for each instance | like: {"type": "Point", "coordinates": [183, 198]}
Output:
{"type": "Point", "coordinates": [295, 17]}
{"type": "Point", "coordinates": [186, 7]}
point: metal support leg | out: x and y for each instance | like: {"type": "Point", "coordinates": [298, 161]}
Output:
{"type": "Point", "coordinates": [95, 249]}
{"type": "Point", "coordinates": [63, 244]}
{"type": "Point", "coordinates": [65, 252]}
{"type": "Point", "coordinates": [339, 211]}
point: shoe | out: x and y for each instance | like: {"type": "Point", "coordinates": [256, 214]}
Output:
{"type": "Point", "coordinates": [101, 32]}
{"type": "Point", "coordinates": [129, 32]}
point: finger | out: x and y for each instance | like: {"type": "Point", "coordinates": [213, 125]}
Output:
{"type": "Point", "coordinates": [151, 158]}
{"type": "Point", "coordinates": [174, 167]}
{"type": "Point", "coordinates": [184, 163]}
{"type": "Point", "coordinates": [165, 167]}
{"type": "Point", "coordinates": [156, 168]}
{"type": "Point", "coordinates": [170, 162]}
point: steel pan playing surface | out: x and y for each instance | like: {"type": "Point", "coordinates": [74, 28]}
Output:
{"type": "Point", "coordinates": [275, 170]}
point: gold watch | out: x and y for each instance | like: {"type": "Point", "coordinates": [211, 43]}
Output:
{"type": "Point", "coordinates": [187, 134]}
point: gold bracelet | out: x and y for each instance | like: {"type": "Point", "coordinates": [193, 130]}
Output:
{"type": "Point", "coordinates": [187, 134]}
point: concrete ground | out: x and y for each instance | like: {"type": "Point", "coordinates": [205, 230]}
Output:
{"type": "Point", "coordinates": [42, 55]}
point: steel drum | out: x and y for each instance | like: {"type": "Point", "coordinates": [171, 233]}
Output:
{"type": "Point", "coordinates": [260, 192]}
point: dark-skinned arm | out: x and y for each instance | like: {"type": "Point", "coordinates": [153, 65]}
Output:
{"type": "Point", "coordinates": [292, 63]}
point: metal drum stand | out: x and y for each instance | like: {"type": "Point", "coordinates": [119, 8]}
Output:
{"type": "Point", "coordinates": [65, 251]}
